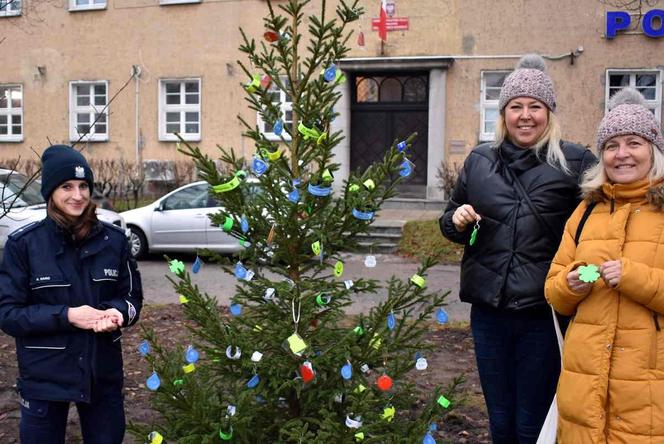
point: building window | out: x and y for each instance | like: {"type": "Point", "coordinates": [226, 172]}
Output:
{"type": "Point", "coordinates": [177, 2]}
{"type": "Point", "coordinates": [392, 89]}
{"type": "Point", "coordinates": [647, 81]}
{"type": "Point", "coordinates": [88, 115]}
{"type": "Point", "coordinates": [86, 5]}
{"type": "Point", "coordinates": [491, 83]}
{"type": "Point", "coordinates": [180, 109]}
{"type": "Point", "coordinates": [11, 113]}
{"type": "Point", "coordinates": [10, 8]}
{"type": "Point", "coordinates": [284, 102]}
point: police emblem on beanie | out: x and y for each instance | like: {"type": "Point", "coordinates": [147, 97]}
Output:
{"type": "Point", "coordinates": [61, 163]}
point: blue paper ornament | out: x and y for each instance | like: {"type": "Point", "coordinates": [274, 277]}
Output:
{"type": "Point", "coordinates": [294, 196]}
{"type": "Point", "coordinates": [278, 127]}
{"type": "Point", "coordinates": [153, 381]}
{"type": "Point", "coordinates": [191, 355]}
{"type": "Point", "coordinates": [253, 382]}
{"type": "Point", "coordinates": [244, 224]}
{"type": "Point", "coordinates": [259, 166]}
{"type": "Point", "coordinates": [401, 146]}
{"type": "Point", "coordinates": [196, 267]}
{"type": "Point", "coordinates": [406, 168]}
{"type": "Point", "coordinates": [330, 73]}
{"type": "Point", "coordinates": [240, 271]}
{"type": "Point", "coordinates": [236, 309]}
{"type": "Point", "coordinates": [391, 322]}
{"type": "Point", "coordinates": [441, 316]}
{"type": "Point", "coordinates": [428, 439]}
{"type": "Point", "coordinates": [296, 182]}
{"type": "Point", "coordinates": [347, 371]}
{"type": "Point", "coordinates": [144, 348]}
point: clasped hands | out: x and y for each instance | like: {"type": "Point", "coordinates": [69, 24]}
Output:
{"type": "Point", "coordinates": [610, 271]}
{"type": "Point", "coordinates": [100, 321]}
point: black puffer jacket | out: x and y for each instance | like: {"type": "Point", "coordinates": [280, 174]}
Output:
{"type": "Point", "coordinates": [507, 265]}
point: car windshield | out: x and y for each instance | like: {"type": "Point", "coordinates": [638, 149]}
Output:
{"type": "Point", "coordinates": [13, 184]}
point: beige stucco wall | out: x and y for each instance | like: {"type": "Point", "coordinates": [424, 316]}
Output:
{"type": "Point", "coordinates": [200, 40]}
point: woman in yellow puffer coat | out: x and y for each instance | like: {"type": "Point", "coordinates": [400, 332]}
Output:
{"type": "Point", "coordinates": [611, 388]}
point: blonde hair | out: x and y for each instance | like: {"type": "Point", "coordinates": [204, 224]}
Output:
{"type": "Point", "coordinates": [595, 177]}
{"type": "Point", "coordinates": [550, 139]}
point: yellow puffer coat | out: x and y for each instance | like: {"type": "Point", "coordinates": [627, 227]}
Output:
{"type": "Point", "coordinates": [611, 387]}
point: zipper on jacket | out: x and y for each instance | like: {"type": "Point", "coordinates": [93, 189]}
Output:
{"type": "Point", "coordinates": [653, 344]}
{"type": "Point", "coordinates": [613, 204]}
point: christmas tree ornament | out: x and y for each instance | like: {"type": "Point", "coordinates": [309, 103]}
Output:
{"type": "Point", "coordinates": [266, 81]}
{"type": "Point", "coordinates": [330, 73]}
{"type": "Point", "coordinates": [230, 411]}
{"type": "Point", "coordinates": [236, 309]}
{"type": "Point", "coordinates": [347, 371]}
{"type": "Point", "coordinates": [296, 344]}
{"type": "Point", "coordinates": [244, 224]}
{"type": "Point", "coordinates": [155, 438]}
{"type": "Point", "coordinates": [316, 248]}
{"type": "Point", "coordinates": [188, 368]}
{"type": "Point", "coordinates": [376, 341]}
{"type": "Point", "coordinates": [421, 364]}
{"type": "Point", "coordinates": [388, 413]}
{"type": "Point", "coordinates": [443, 401]}
{"type": "Point", "coordinates": [353, 188]}
{"type": "Point", "coordinates": [473, 235]}
{"type": "Point", "coordinates": [402, 146]}
{"type": "Point", "coordinates": [278, 127]}
{"type": "Point", "coordinates": [406, 168]}
{"type": "Point", "coordinates": [360, 39]}
{"type": "Point", "coordinates": [359, 389]}
{"type": "Point", "coordinates": [307, 372]}
{"type": "Point", "coordinates": [231, 184]}
{"type": "Point", "coordinates": [441, 316]}
{"type": "Point", "coordinates": [391, 321]}
{"type": "Point", "coordinates": [228, 224]}
{"type": "Point", "coordinates": [256, 356]}
{"type": "Point", "coordinates": [418, 280]}
{"type": "Point", "coordinates": [311, 133]}
{"type": "Point", "coordinates": [359, 436]}
{"type": "Point", "coordinates": [323, 299]}
{"type": "Point", "coordinates": [384, 382]}
{"type": "Point", "coordinates": [370, 261]}
{"type": "Point", "coordinates": [259, 166]}
{"type": "Point", "coordinates": [348, 284]}
{"type": "Point", "coordinates": [253, 382]}
{"type": "Point", "coordinates": [272, 155]}
{"type": "Point", "coordinates": [176, 266]}
{"type": "Point", "coordinates": [226, 436]}
{"type": "Point", "coordinates": [191, 355]}
{"type": "Point", "coordinates": [362, 215]}
{"type": "Point", "coordinates": [364, 368]}
{"type": "Point", "coordinates": [353, 423]}
{"type": "Point", "coordinates": [339, 398]}
{"type": "Point", "coordinates": [270, 36]}
{"type": "Point", "coordinates": [428, 439]}
{"type": "Point", "coordinates": [254, 84]}
{"type": "Point", "coordinates": [233, 353]}
{"type": "Point", "coordinates": [294, 196]}
{"type": "Point", "coordinates": [296, 182]}
{"type": "Point", "coordinates": [183, 299]}
{"type": "Point", "coordinates": [359, 330]}
{"type": "Point", "coordinates": [588, 273]}
{"type": "Point", "coordinates": [153, 382]}
{"type": "Point", "coordinates": [196, 266]}
{"type": "Point", "coordinates": [327, 176]}
{"type": "Point", "coordinates": [369, 184]}
{"type": "Point", "coordinates": [269, 294]}
{"type": "Point", "coordinates": [250, 275]}
{"type": "Point", "coordinates": [144, 348]}
{"type": "Point", "coordinates": [338, 269]}
{"type": "Point", "coordinates": [240, 271]}
{"type": "Point", "coordinates": [178, 383]}
{"type": "Point", "coordinates": [319, 191]}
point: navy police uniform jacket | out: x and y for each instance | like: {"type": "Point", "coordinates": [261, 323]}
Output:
{"type": "Point", "coordinates": [42, 275]}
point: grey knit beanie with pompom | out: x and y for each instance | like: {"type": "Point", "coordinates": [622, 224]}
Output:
{"type": "Point", "coordinates": [529, 79]}
{"type": "Point", "coordinates": [628, 115]}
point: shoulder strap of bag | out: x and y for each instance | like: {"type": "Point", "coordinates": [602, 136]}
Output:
{"type": "Point", "coordinates": [582, 222]}
{"type": "Point", "coordinates": [559, 333]}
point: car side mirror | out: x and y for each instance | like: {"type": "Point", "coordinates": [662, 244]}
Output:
{"type": "Point", "coordinates": [160, 207]}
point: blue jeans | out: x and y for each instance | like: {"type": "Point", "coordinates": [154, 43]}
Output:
{"type": "Point", "coordinates": [519, 365]}
{"type": "Point", "coordinates": [102, 420]}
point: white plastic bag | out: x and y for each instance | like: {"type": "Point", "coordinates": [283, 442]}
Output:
{"type": "Point", "coordinates": [550, 427]}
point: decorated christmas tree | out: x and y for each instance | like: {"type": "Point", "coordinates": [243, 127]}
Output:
{"type": "Point", "coordinates": [287, 364]}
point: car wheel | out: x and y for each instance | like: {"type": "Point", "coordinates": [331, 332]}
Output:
{"type": "Point", "coordinates": [137, 243]}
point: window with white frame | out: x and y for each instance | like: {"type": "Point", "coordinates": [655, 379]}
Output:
{"type": "Point", "coordinates": [85, 5]}
{"type": "Point", "coordinates": [180, 109]}
{"type": "Point", "coordinates": [88, 115]}
{"type": "Point", "coordinates": [10, 8]}
{"type": "Point", "coordinates": [647, 81]}
{"type": "Point", "coordinates": [284, 102]}
{"type": "Point", "coordinates": [491, 82]}
{"type": "Point", "coordinates": [11, 113]}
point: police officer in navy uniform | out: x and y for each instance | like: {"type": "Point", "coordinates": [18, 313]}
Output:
{"type": "Point", "coordinates": [68, 286]}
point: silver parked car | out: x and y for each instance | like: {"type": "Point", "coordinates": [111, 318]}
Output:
{"type": "Point", "coordinates": [30, 206]}
{"type": "Point", "coordinates": [178, 222]}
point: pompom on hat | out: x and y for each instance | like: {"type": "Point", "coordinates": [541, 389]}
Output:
{"type": "Point", "coordinates": [61, 163]}
{"type": "Point", "coordinates": [628, 115]}
{"type": "Point", "coordinates": [529, 79]}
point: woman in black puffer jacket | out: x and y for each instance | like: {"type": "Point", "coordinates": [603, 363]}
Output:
{"type": "Point", "coordinates": [516, 195]}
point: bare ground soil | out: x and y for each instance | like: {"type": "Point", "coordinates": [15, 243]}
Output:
{"type": "Point", "coordinates": [467, 424]}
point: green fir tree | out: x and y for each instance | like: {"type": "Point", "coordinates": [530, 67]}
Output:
{"type": "Point", "coordinates": [287, 365]}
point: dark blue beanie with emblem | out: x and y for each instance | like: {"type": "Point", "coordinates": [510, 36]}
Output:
{"type": "Point", "coordinates": [61, 163]}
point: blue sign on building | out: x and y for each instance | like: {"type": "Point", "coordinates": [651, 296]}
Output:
{"type": "Point", "coordinates": [652, 23]}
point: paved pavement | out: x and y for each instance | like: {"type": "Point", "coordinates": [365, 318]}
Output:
{"type": "Point", "coordinates": [212, 280]}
